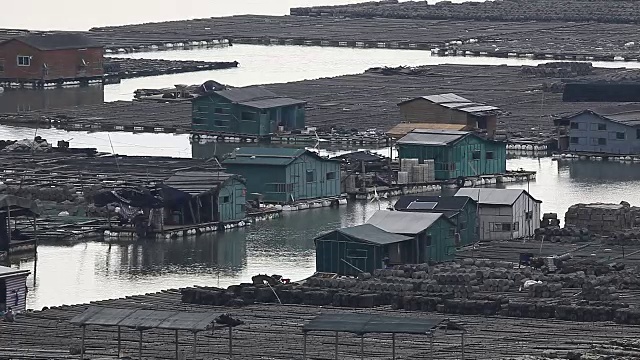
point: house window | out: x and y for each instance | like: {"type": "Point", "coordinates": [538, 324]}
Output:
{"type": "Point", "coordinates": [637, 133]}
{"type": "Point", "coordinates": [489, 155]}
{"type": "Point", "coordinates": [218, 123]}
{"type": "Point", "coordinates": [500, 227]}
{"type": "Point", "coordinates": [246, 115]}
{"type": "Point", "coordinates": [225, 199]}
{"type": "Point", "coordinates": [24, 60]}
{"type": "Point", "coordinates": [574, 125]}
{"type": "Point", "coordinates": [602, 127]}
{"type": "Point", "coordinates": [516, 226]}
{"type": "Point", "coordinates": [218, 110]}
{"type": "Point", "coordinates": [476, 155]}
{"type": "Point", "coordinates": [602, 141]}
{"type": "Point", "coordinates": [311, 175]}
{"type": "Point", "coordinates": [331, 175]}
{"type": "Point", "coordinates": [529, 215]}
{"type": "Point", "coordinates": [575, 140]}
{"type": "Point", "coordinates": [620, 135]}
{"type": "Point", "coordinates": [357, 253]}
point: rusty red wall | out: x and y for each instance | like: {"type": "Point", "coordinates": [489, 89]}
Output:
{"type": "Point", "coordinates": [61, 64]}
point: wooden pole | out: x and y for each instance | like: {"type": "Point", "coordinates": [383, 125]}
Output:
{"type": "Point", "coordinates": [462, 341]}
{"type": "Point", "coordinates": [195, 344]}
{"type": "Point", "coordinates": [362, 347]}
{"type": "Point", "coordinates": [119, 341]}
{"type": "Point", "coordinates": [35, 251]}
{"type": "Point", "coordinates": [230, 342]}
{"type": "Point", "coordinates": [431, 346]}
{"type": "Point", "coordinates": [177, 355]}
{"type": "Point", "coordinates": [336, 345]}
{"type": "Point", "coordinates": [82, 343]}
{"type": "Point", "coordinates": [393, 346]}
{"type": "Point", "coordinates": [304, 346]}
{"type": "Point", "coordinates": [140, 347]}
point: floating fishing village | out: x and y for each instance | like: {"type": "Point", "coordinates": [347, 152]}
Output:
{"type": "Point", "coordinates": [451, 210]}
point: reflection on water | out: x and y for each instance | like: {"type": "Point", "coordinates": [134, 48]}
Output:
{"type": "Point", "coordinates": [20, 100]}
{"type": "Point", "coordinates": [92, 271]}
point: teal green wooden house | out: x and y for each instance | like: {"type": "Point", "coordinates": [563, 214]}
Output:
{"type": "Point", "coordinates": [462, 210]}
{"type": "Point", "coordinates": [285, 175]}
{"type": "Point", "coordinates": [398, 237]}
{"type": "Point", "coordinates": [455, 153]}
{"type": "Point", "coordinates": [251, 111]}
{"type": "Point", "coordinates": [198, 197]}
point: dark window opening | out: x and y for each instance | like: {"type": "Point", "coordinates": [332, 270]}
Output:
{"type": "Point", "coordinates": [476, 155]}
{"type": "Point", "coordinates": [218, 123]}
{"type": "Point", "coordinates": [637, 133]}
{"type": "Point", "coordinates": [620, 135]}
{"type": "Point", "coordinates": [357, 253]}
{"type": "Point", "coordinates": [602, 127]}
{"type": "Point", "coordinates": [506, 227]}
{"type": "Point", "coordinates": [24, 60]}
{"type": "Point", "coordinates": [602, 141]}
{"type": "Point", "coordinates": [245, 115]}
{"type": "Point", "coordinates": [516, 226]}
{"type": "Point", "coordinates": [218, 110]}
{"type": "Point", "coordinates": [311, 175]}
{"type": "Point", "coordinates": [575, 140]}
{"type": "Point", "coordinates": [574, 125]}
{"type": "Point", "coordinates": [529, 215]}
{"type": "Point", "coordinates": [331, 175]}
{"type": "Point", "coordinates": [489, 155]}
{"type": "Point", "coordinates": [225, 199]}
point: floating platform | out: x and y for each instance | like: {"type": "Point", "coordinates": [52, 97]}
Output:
{"type": "Point", "coordinates": [598, 157]}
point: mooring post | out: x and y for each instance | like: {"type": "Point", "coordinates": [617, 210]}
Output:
{"type": "Point", "coordinates": [362, 347]}
{"type": "Point", "coordinates": [119, 341]}
{"type": "Point", "coordinates": [431, 346]}
{"type": "Point", "coordinates": [462, 337]}
{"type": "Point", "coordinates": [195, 344]}
{"type": "Point", "coordinates": [82, 343]}
{"type": "Point", "coordinates": [304, 346]}
{"type": "Point", "coordinates": [140, 346]}
{"type": "Point", "coordinates": [336, 345]}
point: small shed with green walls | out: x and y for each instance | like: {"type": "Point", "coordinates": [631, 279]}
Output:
{"type": "Point", "coordinates": [462, 210]}
{"type": "Point", "coordinates": [286, 175]}
{"type": "Point", "coordinates": [252, 111]}
{"type": "Point", "coordinates": [434, 233]}
{"type": "Point", "coordinates": [362, 248]}
{"type": "Point", "coordinates": [197, 197]}
{"type": "Point", "coordinates": [455, 153]}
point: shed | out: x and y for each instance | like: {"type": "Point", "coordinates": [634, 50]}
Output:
{"type": "Point", "coordinates": [462, 210]}
{"type": "Point", "coordinates": [613, 130]}
{"type": "Point", "coordinates": [505, 214]}
{"type": "Point", "coordinates": [455, 153]}
{"type": "Point", "coordinates": [362, 248]}
{"type": "Point", "coordinates": [11, 237]}
{"type": "Point", "coordinates": [50, 56]}
{"type": "Point", "coordinates": [13, 289]}
{"type": "Point", "coordinates": [286, 175]}
{"type": "Point", "coordinates": [434, 233]}
{"type": "Point", "coordinates": [450, 109]}
{"type": "Point", "coordinates": [250, 111]}
{"type": "Point", "coordinates": [193, 197]}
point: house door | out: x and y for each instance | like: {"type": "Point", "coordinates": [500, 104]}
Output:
{"type": "Point", "coordinates": [265, 125]}
{"type": "Point", "coordinates": [3, 295]}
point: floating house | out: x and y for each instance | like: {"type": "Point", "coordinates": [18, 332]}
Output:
{"type": "Point", "coordinates": [286, 175]}
{"type": "Point", "coordinates": [41, 58]}
{"type": "Point", "coordinates": [13, 235]}
{"type": "Point", "coordinates": [613, 130]}
{"type": "Point", "coordinates": [362, 248]}
{"type": "Point", "coordinates": [462, 210]}
{"type": "Point", "coordinates": [13, 289]}
{"type": "Point", "coordinates": [455, 153]}
{"type": "Point", "coordinates": [504, 214]}
{"type": "Point", "coordinates": [451, 109]}
{"type": "Point", "coordinates": [196, 197]}
{"type": "Point", "coordinates": [434, 233]}
{"type": "Point", "coordinates": [252, 111]}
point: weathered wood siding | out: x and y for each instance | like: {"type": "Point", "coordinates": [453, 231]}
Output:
{"type": "Point", "coordinates": [232, 201]}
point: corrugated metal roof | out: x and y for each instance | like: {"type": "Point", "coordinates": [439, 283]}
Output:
{"type": "Point", "coordinates": [198, 182]}
{"type": "Point", "coordinates": [373, 234]}
{"type": "Point", "coordinates": [371, 323]}
{"type": "Point", "coordinates": [6, 272]}
{"type": "Point", "coordinates": [456, 102]}
{"type": "Point", "coordinates": [442, 202]}
{"type": "Point", "coordinates": [432, 137]}
{"type": "Point", "coordinates": [486, 196]}
{"type": "Point", "coordinates": [243, 94]}
{"type": "Point", "coordinates": [141, 318]}
{"type": "Point", "coordinates": [271, 103]}
{"type": "Point", "coordinates": [269, 156]}
{"type": "Point", "coordinates": [403, 129]}
{"type": "Point", "coordinates": [58, 41]}
{"type": "Point", "coordinates": [399, 222]}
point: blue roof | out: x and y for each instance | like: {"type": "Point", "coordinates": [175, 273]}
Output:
{"type": "Point", "coordinates": [268, 156]}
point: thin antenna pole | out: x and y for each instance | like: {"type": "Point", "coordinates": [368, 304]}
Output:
{"type": "Point", "coordinates": [113, 151]}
